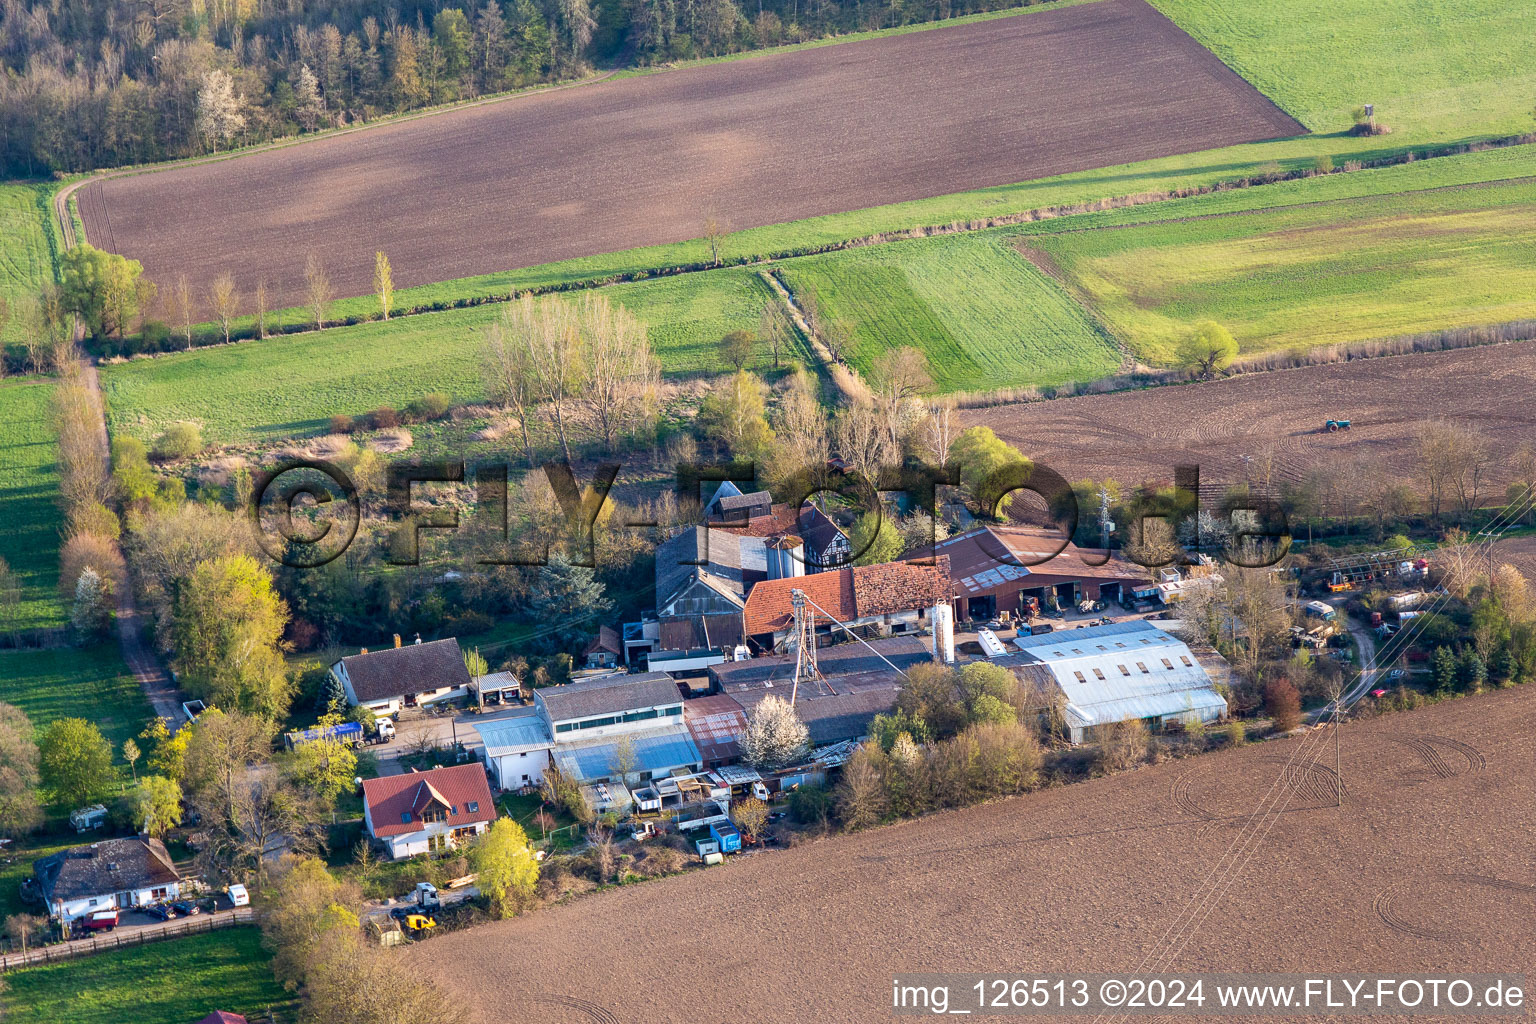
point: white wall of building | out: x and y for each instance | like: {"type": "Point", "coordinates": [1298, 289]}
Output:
{"type": "Point", "coordinates": [516, 770]}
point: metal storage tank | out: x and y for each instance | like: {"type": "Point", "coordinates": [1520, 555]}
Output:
{"type": "Point", "coordinates": [785, 556]}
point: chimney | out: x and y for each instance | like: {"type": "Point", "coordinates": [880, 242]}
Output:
{"type": "Point", "coordinates": [397, 641]}
{"type": "Point", "coordinates": [418, 639]}
{"type": "Point", "coordinates": [363, 651]}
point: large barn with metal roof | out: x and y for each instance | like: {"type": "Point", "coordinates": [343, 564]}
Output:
{"type": "Point", "coordinates": [1123, 672]}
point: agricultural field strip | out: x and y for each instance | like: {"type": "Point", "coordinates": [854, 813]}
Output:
{"type": "Point", "coordinates": [1488, 165]}
{"type": "Point", "coordinates": [913, 116]}
{"type": "Point", "coordinates": [29, 493]}
{"type": "Point", "coordinates": [1442, 63]}
{"type": "Point", "coordinates": [682, 339]}
{"type": "Point", "coordinates": [28, 246]}
{"type": "Point", "coordinates": [981, 314]}
{"type": "Point", "coordinates": [1304, 275]}
{"type": "Point", "coordinates": [283, 387]}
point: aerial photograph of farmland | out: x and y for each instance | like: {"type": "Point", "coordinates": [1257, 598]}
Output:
{"type": "Point", "coordinates": [597, 511]}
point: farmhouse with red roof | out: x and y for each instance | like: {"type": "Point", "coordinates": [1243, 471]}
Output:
{"type": "Point", "coordinates": [428, 811]}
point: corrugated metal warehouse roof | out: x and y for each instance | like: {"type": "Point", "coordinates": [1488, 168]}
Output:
{"type": "Point", "coordinates": [657, 751]}
{"type": "Point", "coordinates": [1127, 670]}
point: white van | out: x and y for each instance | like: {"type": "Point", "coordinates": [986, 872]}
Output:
{"type": "Point", "coordinates": [239, 896]}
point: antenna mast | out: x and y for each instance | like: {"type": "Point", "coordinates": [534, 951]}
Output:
{"type": "Point", "coordinates": [804, 641]}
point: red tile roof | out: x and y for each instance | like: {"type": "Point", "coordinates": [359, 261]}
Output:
{"type": "Point", "coordinates": [900, 586]}
{"type": "Point", "coordinates": [849, 594]}
{"type": "Point", "coordinates": [455, 789]}
{"type": "Point", "coordinates": [768, 608]}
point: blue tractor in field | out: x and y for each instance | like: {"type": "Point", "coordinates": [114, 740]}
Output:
{"type": "Point", "coordinates": [1334, 426]}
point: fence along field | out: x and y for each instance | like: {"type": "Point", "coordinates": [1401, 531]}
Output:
{"type": "Point", "coordinates": [1316, 274]}
{"type": "Point", "coordinates": [637, 162]}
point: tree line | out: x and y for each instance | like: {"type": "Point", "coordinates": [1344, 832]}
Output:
{"type": "Point", "coordinates": [103, 83]}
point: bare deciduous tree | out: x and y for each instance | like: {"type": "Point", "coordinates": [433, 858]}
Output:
{"type": "Point", "coordinates": [550, 332]}
{"type": "Point", "coordinates": [224, 300]}
{"type": "Point", "coordinates": [511, 373]}
{"type": "Point", "coordinates": [773, 327]}
{"type": "Point", "coordinates": [621, 374]}
{"type": "Point", "coordinates": [1454, 462]}
{"type": "Point", "coordinates": [899, 377]}
{"type": "Point", "coordinates": [317, 289]}
{"type": "Point", "coordinates": [801, 428]}
{"type": "Point", "coordinates": [383, 283]}
{"type": "Point", "coordinates": [939, 432]}
{"type": "Point", "coordinates": [184, 309]}
{"type": "Point", "coordinates": [261, 308]}
{"type": "Point", "coordinates": [861, 439]}
{"type": "Point", "coordinates": [714, 234]}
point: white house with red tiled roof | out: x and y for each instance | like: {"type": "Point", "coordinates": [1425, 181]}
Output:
{"type": "Point", "coordinates": [429, 811]}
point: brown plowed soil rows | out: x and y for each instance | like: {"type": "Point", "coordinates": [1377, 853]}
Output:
{"type": "Point", "coordinates": [1133, 436]}
{"type": "Point", "coordinates": [635, 162]}
{"type": "Point", "coordinates": [1517, 551]}
{"type": "Point", "coordinates": [1080, 878]}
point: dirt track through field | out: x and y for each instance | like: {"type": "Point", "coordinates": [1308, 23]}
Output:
{"type": "Point", "coordinates": [1132, 436]}
{"type": "Point", "coordinates": [638, 161]}
{"type": "Point", "coordinates": [1418, 871]}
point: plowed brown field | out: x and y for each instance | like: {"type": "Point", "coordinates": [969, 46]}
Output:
{"type": "Point", "coordinates": [1133, 436]}
{"type": "Point", "coordinates": [635, 162]}
{"type": "Point", "coordinates": [1427, 867]}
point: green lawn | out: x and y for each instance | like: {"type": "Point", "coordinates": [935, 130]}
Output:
{"type": "Point", "coordinates": [16, 867]}
{"type": "Point", "coordinates": [29, 486]}
{"type": "Point", "coordinates": [173, 982]}
{"type": "Point", "coordinates": [1451, 67]}
{"type": "Point", "coordinates": [1315, 274]}
{"type": "Point", "coordinates": [90, 683]}
{"type": "Point", "coordinates": [26, 246]}
{"type": "Point", "coordinates": [985, 317]}
{"type": "Point", "coordinates": [283, 387]}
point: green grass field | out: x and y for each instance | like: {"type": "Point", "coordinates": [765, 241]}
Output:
{"type": "Point", "coordinates": [171, 982]}
{"type": "Point", "coordinates": [29, 484]}
{"type": "Point", "coordinates": [91, 683]}
{"type": "Point", "coordinates": [283, 387]}
{"type": "Point", "coordinates": [983, 316]}
{"type": "Point", "coordinates": [1445, 67]}
{"type": "Point", "coordinates": [1315, 274]}
{"type": "Point", "coordinates": [26, 247]}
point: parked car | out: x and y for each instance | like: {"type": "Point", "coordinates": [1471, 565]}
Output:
{"type": "Point", "coordinates": [186, 908]}
{"type": "Point", "coordinates": [159, 911]}
{"type": "Point", "coordinates": [1396, 674]}
{"type": "Point", "coordinates": [238, 896]}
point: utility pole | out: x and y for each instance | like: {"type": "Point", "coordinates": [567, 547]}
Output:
{"type": "Point", "coordinates": [1106, 521]}
{"type": "Point", "coordinates": [1338, 760]}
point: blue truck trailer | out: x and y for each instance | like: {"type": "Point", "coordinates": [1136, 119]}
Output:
{"type": "Point", "coordinates": [350, 733]}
